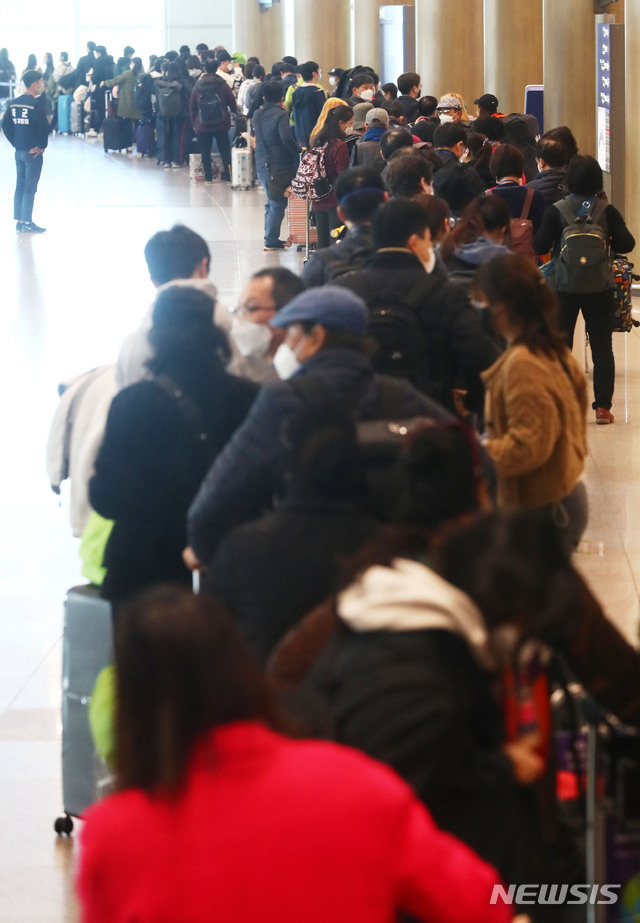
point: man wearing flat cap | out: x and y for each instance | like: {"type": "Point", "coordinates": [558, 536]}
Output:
{"type": "Point", "coordinates": [325, 337]}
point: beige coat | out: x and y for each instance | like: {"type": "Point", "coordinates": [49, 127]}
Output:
{"type": "Point", "coordinates": [535, 413]}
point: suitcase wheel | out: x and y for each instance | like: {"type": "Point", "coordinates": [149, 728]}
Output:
{"type": "Point", "coordinates": [63, 825]}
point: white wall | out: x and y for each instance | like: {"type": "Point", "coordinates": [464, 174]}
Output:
{"type": "Point", "coordinates": [151, 26]}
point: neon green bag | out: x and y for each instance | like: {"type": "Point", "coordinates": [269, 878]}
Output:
{"type": "Point", "coordinates": [102, 709]}
{"type": "Point", "coordinates": [92, 545]}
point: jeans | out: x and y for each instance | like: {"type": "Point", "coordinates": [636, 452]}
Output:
{"type": "Point", "coordinates": [273, 211]}
{"type": "Point", "coordinates": [28, 169]}
{"type": "Point", "coordinates": [598, 311]}
{"type": "Point", "coordinates": [205, 141]}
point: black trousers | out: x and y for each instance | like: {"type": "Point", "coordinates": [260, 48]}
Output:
{"type": "Point", "coordinates": [205, 140]}
{"type": "Point", "coordinates": [326, 220]}
{"type": "Point", "coordinates": [598, 311]}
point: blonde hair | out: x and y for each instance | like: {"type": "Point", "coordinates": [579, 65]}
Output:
{"type": "Point", "coordinates": [465, 114]}
{"type": "Point", "coordinates": [330, 104]}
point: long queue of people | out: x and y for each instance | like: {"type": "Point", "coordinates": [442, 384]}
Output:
{"type": "Point", "coordinates": [375, 468]}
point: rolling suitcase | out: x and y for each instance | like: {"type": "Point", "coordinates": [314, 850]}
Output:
{"type": "Point", "coordinates": [241, 168]}
{"type": "Point", "coordinates": [146, 140]}
{"type": "Point", "coordinates": [64, 113]}
{"type": "Point", "coordinates": [76, 118]}
{"type": "Point", "coordinates": [300, 230]}
{"type": "Point", "coordinates": [116, 133]}
{"type": "Point", "coordinates": [87, 647]}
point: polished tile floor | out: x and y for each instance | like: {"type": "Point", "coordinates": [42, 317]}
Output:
{"type": "Point", "coordinates": [68, 299]}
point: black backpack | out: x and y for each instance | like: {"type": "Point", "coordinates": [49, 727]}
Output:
{"type": "Point", "coordinates": [583, 262]}
{"type": "Point", "coordinates": [169, 99]}
{"type": "Point", "coordinates": [142, 92]}
{"type": "Point", "coordinates": [395, 328]}
{"type": "Point", "coordinates": [209, 106]}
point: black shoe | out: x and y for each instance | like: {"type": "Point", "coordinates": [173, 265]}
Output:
{"type": "Point", "coordinates": [278, 245]}
{"type": "Point", "coordinates": [30, 228]}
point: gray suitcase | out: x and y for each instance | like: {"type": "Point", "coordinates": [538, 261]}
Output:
{"type": "Point", "coordinates": [77, 118]}
{"type": "Point", "coordinates": [87, 647]}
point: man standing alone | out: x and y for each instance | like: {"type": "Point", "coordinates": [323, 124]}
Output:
{"type": "Point", "coordinates": [26, 126]}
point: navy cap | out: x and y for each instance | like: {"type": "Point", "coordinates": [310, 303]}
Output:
{"type": "Point", "coordinates": [327, 305]}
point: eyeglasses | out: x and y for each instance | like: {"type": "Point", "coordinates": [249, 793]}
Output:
{"type": "Point", "coordinates": [450, 109]}
{"type": "Point", "coordinates": [247, 310]}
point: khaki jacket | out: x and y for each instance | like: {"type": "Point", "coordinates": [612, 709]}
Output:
{"type": "Point", "coordinates": [535, 412]}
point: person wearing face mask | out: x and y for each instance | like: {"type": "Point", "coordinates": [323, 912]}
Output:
{"type": "Point", "coordinates": [267, 291]}
{"type": "Point", "coordinates": [307, 100]}
{"type": "Point", "coordinates": [26, 127]}
{"type": "Point", "coordinates": [325, 337]}
{"type": "Point", "coordinates": [400, 272]}
{"type": "Point", "coordinates": [481, 233]}
{"type": "Point", "coordinates": [362, 89]}
{"type": "Point", "coordinates": [334, 78]}
{"type": "Point", "coordinates": [456, 182]}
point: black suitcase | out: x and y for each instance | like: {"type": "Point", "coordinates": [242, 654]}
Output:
{"type": "Point", "coordinates": [116, 135]}
{"type": "Point", "coordinates": [146, 140]}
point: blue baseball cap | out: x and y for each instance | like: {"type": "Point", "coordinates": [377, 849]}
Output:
{"type": "Point", "coordinates": [329, 306]}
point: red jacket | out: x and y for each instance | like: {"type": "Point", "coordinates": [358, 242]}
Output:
{"type": "Point", "coordinates": [336, 159]}
{"type": "Point", "coordinates": [271, 830]}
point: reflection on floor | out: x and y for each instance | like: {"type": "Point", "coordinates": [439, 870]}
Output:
{"type": "Point", "coordinates": [69, 298]}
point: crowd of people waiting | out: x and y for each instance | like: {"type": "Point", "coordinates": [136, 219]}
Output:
{"type": "Point", "coordinates": [375, 467]}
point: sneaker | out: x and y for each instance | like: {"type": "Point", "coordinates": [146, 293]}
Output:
{"type": "Point", "coordinates": [176, 166]}
{"type": "Point", "coordinates": [92, 133]}
{"type": "Point", "coordinates": [208, 182]}
{"type": "Point", "coordinates": [20, 227]}
{"type": "Point", "coordinates": [29, 227]}
{"type": "Point", "coordinates": [280, 245]}
{"type": "Point", "coordinates": [167, 166]}
{"type": "Point", "coordinates": [603, 416]}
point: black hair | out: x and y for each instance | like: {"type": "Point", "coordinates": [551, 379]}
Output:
{"type": "Point", "coordinates": [210, 66]}
{"type": "Point", "coordinates": [138, 66]}
{"type": "Point", "coordinates": [273, 92]}
{"type": "Point", "coordinates": [360, 79]}
{"type": "Point", "coordinates": [175, 254]}
{"type": "Point", "coordinates": [551, 151]}
{"type": "Point", "coordinates": [128, 50]}
{"type": "Point", "coordinates": [289, 59]}
{"type": "Point", "coordinates": [392, 140]}
{"type": "Point", "coordinates": [395, 221]}
{"type": "Point", "coordinates": [193, 62]}
{"type": "Point", "coordinates": [202, 47]}
{"type": "Point", "coordinates": [308, 69]}
{"type": "Point", "coordinates": [101, 49]}
{"type": "Point", "coordinates": [514, 282]}
{"type": "Point", "coordinates": [184, 49]}
{"type": "Point", "coordinates": [171, 56]}
{"type": "Point", "coordinates": [254, 59]}
{"type": "Point", "coordinates": [492, 128]}
{"type": "Point", "coordinates": [391, 89]}
{"type": "Point", "coordinates": [485, 213]}
{"type": "Point", "coordinates": [513, 565]}
{"type": "Point", "coordinates": [259, 72]}
{"type": "Point", "coordinates": [480, 148]}
{"type": "Point", "coordinates": [183, 330]}
{"type": "Point", "coordinates": [393, 107]}
{"type": "Point", "coordinates": [331, 130]}
{"type": "Point", "coordinates": [425, 130]}
{"type": "Point", "coordinates": [584, 175]}
{"type": "Point", "coordinates": [427, 106]}
{"type": "Point", "coordinates": [565, 137]}
{"type": "Point", "coordinates": [223, 56]}
{"type": "Point", "coordinates": [31, 77]}
{"type": "Point", "coordinates": [173, 71]}
{"type": "Point", "coordinates": [286, 284]}
{"type": "Point", "coordinates": [287, 68]}
{"type": "Point", "coordinates": [322, 459]}
{"type": "Point", "coordinates": [32, 62]}
{"type": "Point", "coordinates": [65, 56]}
{"type": "Point", "coordinates": [182, 669]}
{"type": "Point", "coordinates": [407, 81]}
{"type": "Point", "coordinates": [338, 338]}
{"type": "Point", "coordinates": [91, 46]}
{"type": "Point", "coordinates": [359, 191]}
{"type": "Point", "coordinates": [437, 211]}
{"type": "Point", "coordinates": [506, 160]}
{"type": "Point", "coordinates": [449, 134]}
{"type": "Point", "coordinates": [404, 173]}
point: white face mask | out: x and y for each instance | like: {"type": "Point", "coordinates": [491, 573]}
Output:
{"type": "Point", "coordinates": [332, 81]}
{"type": "Point", "coordinates": [445, 118]}
{"type": "Point", "coordinates": [320, 75]}
{"type": "Point", "coordinates": [367, 95]}
{"type": "Point", "coordinates": [285, 362]}
{"type": "Point", "coordinates": [251, 339]}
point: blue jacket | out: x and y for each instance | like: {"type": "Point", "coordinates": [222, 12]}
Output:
{"type": "Point", "coordinates": [244, 478]}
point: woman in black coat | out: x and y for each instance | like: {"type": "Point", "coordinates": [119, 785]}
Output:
{"type": "Point", "coordinates": [161, 437]}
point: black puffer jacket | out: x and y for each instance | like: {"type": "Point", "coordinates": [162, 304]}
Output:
{"type": "Point", "coordinates": [215, 84]}
{"type": "Point", "coordinates": [550, 184]}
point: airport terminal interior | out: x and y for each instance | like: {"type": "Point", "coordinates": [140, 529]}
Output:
{"type": "Point", "coordinates": [69, 297]}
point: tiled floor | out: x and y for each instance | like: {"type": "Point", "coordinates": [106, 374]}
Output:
{"type": "Point", "coordinates": [68, 299]}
